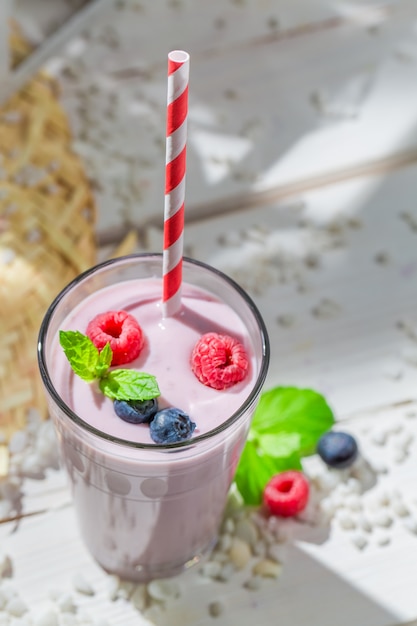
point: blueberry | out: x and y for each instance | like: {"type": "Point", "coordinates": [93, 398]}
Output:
{"type": "Point", "coordinates": [337, 449]}
{"type": "Point", "coordinates": [171, 425]}
{"type": "Point", "coordinates": [136, 411]}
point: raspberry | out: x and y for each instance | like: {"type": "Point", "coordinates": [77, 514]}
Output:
{"type": "Point", "coordinates": [121, 330]}
{"type": "Point", "coordinates": [286, 494]}
{"type": "Point", "coordinates": [219, 361]}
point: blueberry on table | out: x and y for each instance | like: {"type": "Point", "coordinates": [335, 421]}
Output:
{"type": "Point", "coordinates": [337, 449]}
{"type": "Point", "coordinates": [170, 426]}
{"type": "Point", "coordinates": [136, 411]}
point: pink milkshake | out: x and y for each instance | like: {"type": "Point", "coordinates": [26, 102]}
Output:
{"type": "Point", "coordinates": [150, 510]}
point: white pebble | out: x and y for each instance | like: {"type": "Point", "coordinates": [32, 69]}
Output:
{"type": "Point", "coordinates": [211, 569]}
{"type": "Point", "coordinates": [254, 583]}
{"type": "Point", "coordinates": [226, 572]}
{"type": "Point", "coordinates": [410, 523]}
{"type": "Point", "coordinates": [239, 553]}
{"type": "Point", "coordinates": [379, 467]}
{"type": "Point", "coordinates": [276, 552]}
{"type": "Point", "coordinates": [346, 521]}
{"type": "Point", "coordinates": [353, 502]}
{"type": "Point", "coordinates": [163, 589]}
{"type": "Point", "coordinates": [215, 608]}
{"type": "Point", "coordinates": [6, 566]}
{"type": "Point", "coordinates": [18, 442]}
{"type": "Point", "coordinates": [246, 531]}
{"type": "Point", "coordinates": [399, 455]}
{"type": "Point", "coordinates": [125, 589]}
{"type": "Point", "coordinates": [138, 597]}
{"type": "Point", "coordinates": [66, 604]}
{"type": "Point", "coordinates": [382, 518]}
{"type": "Point", "coordinates": [68, 619]}
{"type": "Point", "coordinates": [219, 557]}
{"type": "Point", "coordinates": [379, 437]}
{"type": "Point", "coordinates": [364, 523]}
{"type": "Point", "coordinates": [82, 585]}
{"type": "Point", "coordinates": [328, 507]}
{"type": "Point", "coordinates": [400, 509]}
{"type": "Point", "coordinates": [259, 549]}
{"type": "Point", "coordinates": [383, 540]}
{"type": "Point", "coordinates": [48, 618]}
{"type": "Point", "coordinates": [359, 541]}
{"type": "Point", "coordinates": [229, 526]}
{"type": "Point", "coordinates": [266, 568]}
{"type": "Point", "coordinates": [16, 607]}
{"type": "Point", "coordinates": [224, 543]}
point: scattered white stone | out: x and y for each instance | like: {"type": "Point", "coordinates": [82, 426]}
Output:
{"type": "Point", "coordinates": [211, 569]}
{"type": "Point", "coordinates": [139, 597]}
{"type": "Point", "coordinates": [382, 518]}
{"type": "Point", "coordinates": [346, 521]}
{"type": "Point", "coordinates": [6, 566]}
{"type": "Point", "coordinates": [239, 553]}
{"type": "Point", "coordinates": [224, 543]}
{"type": "Point", "coordinates": [226, 572]}
{"type": "Point", "coordinates": [47, 618]}
{"type": "Point", "coordinates": [400, 509]}
{"type": "Point", "coordinates": [364, 524]}
{"type": "Point", "coordinates": [16, 607]}
{"type": "Point", "coordinates": [399, 455]}
{"type": "Point", "coordinates": [383, 540]}
{"type": "Point", "coordinates": [379, 437]}
{"type": "Point", "coordinates": [164, 589]}
{"type": "Point", "coordinates": [266, 568]}
{"type": "Point", "coordinates": [81, 584]}
{"type": "Point", "coordinates": [216, 608]}
{"type": "Point", "coordinates": [247, 531]}
{"type": "Point", "coordinates": [410, 523]}
{"type": "Point", "coordinates": [359, 540]}
{"type": "Point", "coordinates": [66, 603]}
{"type": "Point", "coordinates": [253, 583]}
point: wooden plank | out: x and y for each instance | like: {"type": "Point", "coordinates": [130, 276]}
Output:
{"type": "Point", "coordinates": [326, 580]}
{"type": "Point", "coordinates": [268, 113]}
{"type": "Point", "coordinates": [333, 275]}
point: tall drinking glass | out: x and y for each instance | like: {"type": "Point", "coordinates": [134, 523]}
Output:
{"type": "Point", "coordinates": [148, 510]}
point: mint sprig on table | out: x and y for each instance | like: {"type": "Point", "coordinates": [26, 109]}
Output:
{"type": "Point", "coordinates": [287, 425]}
{"type": "Point", "coordinates": [91, 364]}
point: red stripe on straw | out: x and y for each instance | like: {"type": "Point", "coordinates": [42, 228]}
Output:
{"type": "Point", "coordinates": [175, 171]}
{"type": "Point", "coordinates": [174, 227]}
{"type": "Point", "coordinates": [177, 112]}
{"type": "Point", "coordinates": [173, 65]}
{"type": "Point", "coordinates": [172, 280]}
{"type": "Point", "coordinates": [176, 132]}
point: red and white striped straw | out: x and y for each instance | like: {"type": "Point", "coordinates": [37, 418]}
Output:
{"type": "Point", "coordinates": [176, 139]}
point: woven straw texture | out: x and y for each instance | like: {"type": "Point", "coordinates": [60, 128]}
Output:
{"type": "Point", "coordinates": [47, 219]}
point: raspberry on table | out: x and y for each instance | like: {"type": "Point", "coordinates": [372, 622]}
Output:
{"type": "Point", "coordinates": [219, 361]}
{"type": "Point", "coordinates": [287, 494]}
{"type": "Point", "coordinates": [121, 330]}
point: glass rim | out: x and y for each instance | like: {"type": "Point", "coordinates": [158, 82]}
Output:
{"type": "Point", "coordinates": [77, 420]}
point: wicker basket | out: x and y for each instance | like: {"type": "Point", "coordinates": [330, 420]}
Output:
{"type": "Point", "coordinates": [47, 218]}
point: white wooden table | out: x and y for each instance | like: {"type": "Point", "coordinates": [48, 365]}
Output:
{"type": "Point", "coordinates": [301, 183]}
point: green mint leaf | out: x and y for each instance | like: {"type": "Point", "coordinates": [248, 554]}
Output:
{"type": "Point", "coordinates": [292, 410]}
{"type": "Point", "coordinates": [81, 353]}
{"type": "Point", "coordinates": [129, 385]}
{"type": "Point", "coordinates": [280, 445]}
{"type": "Point", "coordinates": [256, 468]}
{"type": "Point", "coordinates": [104, 360]}
{"type": "Point", "coordinates": [287, 425]}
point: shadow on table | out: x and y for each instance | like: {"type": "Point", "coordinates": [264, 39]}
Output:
{"type": "Point", "coordinates": [307, 594]}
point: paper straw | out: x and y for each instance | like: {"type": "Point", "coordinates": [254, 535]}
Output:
{"type": "Point", "coordinates": [176, 138]}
